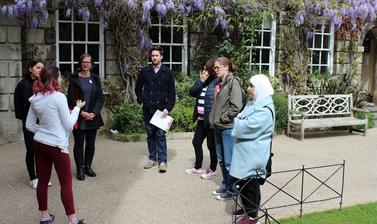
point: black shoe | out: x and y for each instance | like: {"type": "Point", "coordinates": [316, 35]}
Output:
{"type": "Point", "coordinates": [80, 173]}
{"type": "Point", "coordinates": [89, 171]}
{"type": "Point", "coordinates": [239, 212]}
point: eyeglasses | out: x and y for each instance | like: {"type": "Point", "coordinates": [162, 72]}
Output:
{"type": "Point", "coordinates": [85, 62]}
{"type": "Point", "coordinates": [217, 67]}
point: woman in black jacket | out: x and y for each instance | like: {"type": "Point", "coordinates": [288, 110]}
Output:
{"type": "Point", "coordinates": [22, 94]}
{"type": "Point", "coordinates": [86, 86]}
{"type": "Point", "coordinates": [204, 91]}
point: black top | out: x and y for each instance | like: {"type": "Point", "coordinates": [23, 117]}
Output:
{"type": "Point", "coordinates": [93, 105]}
{"type": "Point", "coordinates": [22, 93]}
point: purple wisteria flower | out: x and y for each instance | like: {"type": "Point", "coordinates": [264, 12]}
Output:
{"type": "Point", "coordinates": [170, 5]}
{"type": "Point", "coordinates": [98, 3]}
{"type": "Point", "coordinates": [337, 20]}
{"type": "Point", "coordinates": [34, 22]}
{"type": "Point", "coordinates": [161, 9]}
{"type": "Point", "coordinates": [68, 13]}
{"type": "Point", "coordinates": [3, 10]}
{"type": "Point", "coordinates": [131, 4]}
{"type": "Point", "coordinates": [198, 5]}
{"type": "Point", "coordinates": [126, 67]}
{"type": "Point", "coordinates": [181, 9]}
{"type": "Point", "coordinates": [219, 11]}
{"type": "Point", "coordinates": [300, 18]}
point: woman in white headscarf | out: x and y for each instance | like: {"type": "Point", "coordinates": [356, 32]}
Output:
{"type": "Point", "coordinates": [252, 133]}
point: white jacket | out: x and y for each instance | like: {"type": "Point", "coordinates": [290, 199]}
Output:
{"type": "Point", "coordinates": [55, 120]}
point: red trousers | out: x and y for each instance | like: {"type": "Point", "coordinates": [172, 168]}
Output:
{"type": "Point", "coordinates": [45, 156]}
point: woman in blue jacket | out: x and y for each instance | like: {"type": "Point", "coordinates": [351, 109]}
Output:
{"type": "Point", "coordinates": [204, 91]}
{"type": "Point", "coordinates": [252, 132]}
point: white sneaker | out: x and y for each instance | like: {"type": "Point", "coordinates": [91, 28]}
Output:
{"type": "Point", "coordinates": [34, 183]}
{"type": "Point", "coordinates": [194, 171]}
{"type": "Point", "coordinates": [208, 174]}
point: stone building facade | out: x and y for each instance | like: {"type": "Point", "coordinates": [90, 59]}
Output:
{"type": "Point", "coordinates": [62, 40]}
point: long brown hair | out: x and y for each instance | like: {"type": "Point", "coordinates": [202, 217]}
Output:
{"type": "Point", "coordinates": [30, 65]}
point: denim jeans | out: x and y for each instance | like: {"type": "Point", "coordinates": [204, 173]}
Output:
{"type": "Point", "coordinates": [156, 143]}
{"type": "Point", "coordinates": [224, 151]}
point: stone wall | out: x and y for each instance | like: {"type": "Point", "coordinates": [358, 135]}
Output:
{"type": "Point", "coordinates": [10, 74]}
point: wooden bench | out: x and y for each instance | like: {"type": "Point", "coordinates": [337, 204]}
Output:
{"type": "Point", "coordinates": [323, 111]}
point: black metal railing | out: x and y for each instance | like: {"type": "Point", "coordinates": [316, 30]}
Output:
{"type": "Point", "coordinates": [298, 200]}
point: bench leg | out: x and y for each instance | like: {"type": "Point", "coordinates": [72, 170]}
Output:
{"type": "Point", "coordinates": [365, 129]}
{"type": "Point", "coordinates": [302, 133]}
{"type": "Point", "coordinates": [350, 130]}
{"type": "Point", "coordinates": [289, 130]}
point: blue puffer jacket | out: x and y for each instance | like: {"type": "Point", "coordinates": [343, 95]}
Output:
{"type": "Point", "coordinates": [195, 91]}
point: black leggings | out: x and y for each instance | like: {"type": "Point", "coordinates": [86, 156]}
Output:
{"type": "Point", "coordinates": [89, 136]}
{"type": "Point", "coordinates": [201, 133]}
{"type": "Point", "coordinates": [250, 196]}
{"type": "Point", "coordinates": [30, 157]}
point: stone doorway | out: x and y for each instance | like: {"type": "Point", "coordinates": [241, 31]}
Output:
{"type": "Point", "coordinates": [368, 67]}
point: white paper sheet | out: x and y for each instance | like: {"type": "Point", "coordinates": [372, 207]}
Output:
{"type": "Point", "coordinates": [162, 123]}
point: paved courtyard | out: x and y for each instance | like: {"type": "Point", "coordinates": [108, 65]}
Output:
{"type": "Point", "coordinates": [124, 193]}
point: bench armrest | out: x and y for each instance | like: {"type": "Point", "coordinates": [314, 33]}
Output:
{"type": "Point", "coordinates": [297, 112]}
{"type": "Point", "coordinates": [359, 109]}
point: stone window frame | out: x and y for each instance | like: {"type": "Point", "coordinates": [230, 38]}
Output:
{"type": "Point", "coordinates": [157, 23]}
{"type": "Point", "coordinates": [73, 62]}
{"type": "Point", "coordinates": [258, 64]}
{"type": "Point", "coordinates": [322, 43]}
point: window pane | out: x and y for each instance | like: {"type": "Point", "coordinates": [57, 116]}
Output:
{"type": "Point", "coordinates": [324, 69]}
{"type": "Point", "coordinates": [93, 32]}
{"type": "Point", "coordinates": [310, 42]}
{"type": "Point", "coordinates": [79, 32]}
{"type": "Point", "coordinates": [65, 52]}
{"type": "Point", "coordinates": [153, 33]}
{"type": "Point", "coordinates": [178, 35]}
{"type": "Point", "coordinates": [267, 24]}
{"type": "Point", "coordinates": [154, 17]}
{"type": "Point", "coordinates": [255, 56]}
{"type": "Point", "coordinates": [62, 15]}
{"type": "Point", "coordinates": [317, 41]}
{"type": "Point", "coordinates": [165, 34]}
{"type": "Point", "coordinates": [95, 69]}
{"type": "Point", "coordinates": [327, 28]}
{"type": "Point", "coordinates": [265, 56]}
{"type": "Point", "coordinates": [326, 41]}
{"type": "Point", "coordinates": [65, 31]}
{"type": "Point", "coordinates": [93, 49]}
{"type": "Point", "coordinates": [65, 70]}
{"type": "Point", "coordinates": [176, 68]}
{"type": "Point", "coordinates": [258, 42]}
{"type": "Point", "coordinates": [315, 57]}
{"type": "Point", "coordinates": [265, 69]}
{"type": "Point", "coordinates": [166, 57]}
{"type": "Point", "coordinates": [177, 54]}
{"type": "Point", "coordinates": [78, 50]}
{"type": "Point", "coordinates": [318, 28]}
{"type": "Point", "coordinates": [315, 69]}
{"type": "Point", "coordinates": [266, 38]}
{"type": "Point", "coordinates": [324, 57]}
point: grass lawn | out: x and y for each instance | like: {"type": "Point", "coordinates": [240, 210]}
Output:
{"type": "Point", "coordinates": [358, 214]}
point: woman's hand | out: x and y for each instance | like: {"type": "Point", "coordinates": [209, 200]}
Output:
{"type": "Point", "coordinates": [203, 75]}
{"type": "Point", "coordinates": [80, 103]}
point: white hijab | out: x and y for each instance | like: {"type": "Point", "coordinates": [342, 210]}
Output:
{"type": "Point", "coordinates": [263, 87]}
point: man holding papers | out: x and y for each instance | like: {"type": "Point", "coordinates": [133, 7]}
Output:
{"type": "Point", "coordinates": [155, 89]}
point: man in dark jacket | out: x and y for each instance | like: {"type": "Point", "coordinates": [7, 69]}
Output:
{"type": "Point", "coordinates": [155, 89]}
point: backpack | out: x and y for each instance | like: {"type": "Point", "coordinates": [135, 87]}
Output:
{"type": "Point", "coordinates": [269, 162]}
{"type": "Point", "coordinates": [243, 92]}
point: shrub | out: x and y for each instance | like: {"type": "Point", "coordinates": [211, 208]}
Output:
{"type": "Point", "coordinates": [281, 110]}
{"type": "Point", "coordinates": [361, 115]}
{"type": "Point", "coordinates": [128, 119]}
{"type": "Point", "coordinates": [182, 115]}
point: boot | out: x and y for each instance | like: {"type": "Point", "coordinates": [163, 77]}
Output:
{"type": "Point", "coordinates": [80, 173]}
{"type": "Point", "coordinates": [89, 171]}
